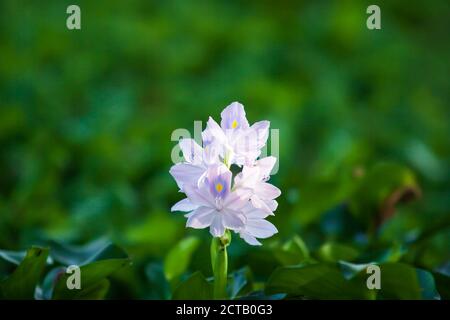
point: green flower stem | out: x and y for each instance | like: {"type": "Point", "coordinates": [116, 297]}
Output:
{"type": "Point", "coordinates": [219, 263]}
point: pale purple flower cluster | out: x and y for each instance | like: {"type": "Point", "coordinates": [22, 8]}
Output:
{"type": "Point", "coordinates": [215, 198]}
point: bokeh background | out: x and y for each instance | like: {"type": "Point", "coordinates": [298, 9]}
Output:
{"type": "Point", "coordinates": [86, 119]}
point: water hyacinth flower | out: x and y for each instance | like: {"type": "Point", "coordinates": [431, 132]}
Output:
{"type": "Point", "coordinates": [216, 205]}
{"type": "Point", "coordinates": [216, 199]}
{"type": "Point", "coordinates": [237, 142]}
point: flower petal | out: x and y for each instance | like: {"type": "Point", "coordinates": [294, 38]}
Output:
{"type": "Point", "coordinates": [261, 129]}
{"type": "Point", "coordinates": [200, 197]}
{"type": "Point", "coordinates": [184, 205]}
{"type": "Point", "coordinates": [211, 153]}
{"type": "Point", "coordinates": [185, 173]}
{"type": "Point", "coordinates": [252, 213]}
{"type": "Point", "coordinates": [260, 204]}
{"type": "Point", "coordinates": [272, 204]}
{"type": "Point", "coordinates": [265, 166]}
{"type": "Point", "coordinates": [192, 152]}
{"type": "Point", "coordinates": [237, 200]}
{"type": "Point", "coordinates": [265, 190]}
{"type": "Point", "coordinates": [250, 176]}
{"type": "Point", "coordinates": [218, 180]}
{"type": "Point", "coordinates": [213, 133]}
{"type": "Point", "coordinates": [247, 144]}
{"type": "Point", "coordinates": [233, 220]}
{"type": "Point", "coordinates": [260, 228]}
{"type": "Point", "coordinates": [249, 239]}
{"type": "Point", "coordinates": [217, 228]}
{"type": "Point", "coordinates": [233, 117]}
{"type": "Point", "coordinates": [201, 218]}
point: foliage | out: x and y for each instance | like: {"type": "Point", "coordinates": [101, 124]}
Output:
{"type": "Point", "coordinates": [27, 280]}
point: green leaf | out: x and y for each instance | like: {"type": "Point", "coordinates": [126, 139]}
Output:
{"type": "Point", "coordinates": [315, 281]}
{"type": "Point", "coordinates": [442, 285]}
{"type": "Point", "coordinates": [91, 275]}
{"type": "Point", "coordinates": [398, 280]}
{"type": "Point", "coordinates": [260, 295]}
{"type": "Point", "coordinates": [240, 283]}
{"type": "Point", "coordinates": [292, 252]}
{"type": "Point", "coordinates": [333, 252]}
{"type": "Point", "coordinates": [351, 270]}
{"type": "Point", "coordinates": [14, 257]}
{"type": "Point", "coordinates": [179, 257]}
{"type": "Point", "coordinates": [46, 289]}
{"type": "Point", "coordinates": [158, 286]}
{"type": "Point", "coordinates": [21, 284]}
{"type": "Point", "coordinates": [402, 281]}
{"type": "Point", "coordinates": [101, 249]}
{"type": "Point", "coordinates": [196, 287]}
{"type": "Point", "coordinates": [97, 291]}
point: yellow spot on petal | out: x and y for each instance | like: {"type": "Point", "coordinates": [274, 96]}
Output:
{"type": "Point", "coordinates": [219, 187]}
{"type": "Point", "coordinates": [234, 124]}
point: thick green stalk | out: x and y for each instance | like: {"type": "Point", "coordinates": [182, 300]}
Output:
{"type": "Point", "coordinates": [219, 263]}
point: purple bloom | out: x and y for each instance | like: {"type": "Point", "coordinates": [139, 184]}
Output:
{"type": "Point", "coordinates": [214, 198]}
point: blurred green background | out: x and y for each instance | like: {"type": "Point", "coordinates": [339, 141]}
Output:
{"type": "Point", "coordinates": [86, 119]}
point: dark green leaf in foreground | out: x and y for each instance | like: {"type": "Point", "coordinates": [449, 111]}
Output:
{"type": "Point", "coordinates": [92, 280]}
{"type": "Point", "coordinates": [442, 285]}
{"type": "Point", "coordinates": [100, 249]}
{"type": "Point", "coordinates": [21, 284]}
{"type": "Point", "coordinates": [196, 287]}
{"type": "Point", "coordinates": [240, 283]}
{"type": "Point", "coordinates": [97, 291]}
{"type": "Point", "coordinates": [315, 281]}
{"type": "Point", "coordinates": [398, 280]}
{"type": "Point", "coordinates": [46, 288]}
{"type": "Point", "coordinates": [259, 295]}
{"type": "Point", "coordinates": [158, 286]}
{"type": "Point", "coordinates": [401, 281]}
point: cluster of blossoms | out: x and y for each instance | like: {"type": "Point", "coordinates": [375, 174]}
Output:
{"type": "Point", "coordinates": [216, 199]}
